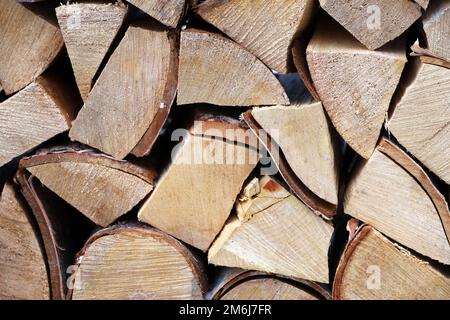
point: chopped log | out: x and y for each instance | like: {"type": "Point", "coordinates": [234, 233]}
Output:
{"type": "Point", "coordinates": [373, 267]}
{"type": "Point", "coordinates": [133, 262]}
{"type": "Point", "coordinates": [22, 267]}
{"type": "Point", "coordinates": [37, 113]}
{"type": "Point", "coordinates": [306, 140]}
{"type": "Point", "coordinates": [168, 12]}
{"type": "Point", "coordinates": [194, 196]}
{"type": "Point", "coordinates": [423, 3]}
{"type": "Point", "coordinates": [238, 284]}
{"type": "Point", "coordinates": [88, 30]}
{"type": "Point", "coordinates": [436, 23]}
{"type": "Point", "coordinates": [100, 187]}
{"type": "Point", "coordinates": [277, 234]}
{"type": "Point", "coordinates": [420, 121]}
{"type": "Point", "coordinates": [218, 71]}
{"type": "Point", "coordinates": [314, 202]}
{"type": "Point", "coordinates": [29, 44]}
{"type": "Point", "coordinates": [356, 100]}
{"type": "Point", "coordinates": [373, 23]}
{"type": "Point", "coordinates": [127, 112]}
{"type": "Point", "coordinates": [251, 24]}
{"type": "Point", "coordinates": [384, 195]}
{"type": "Point", "coordinates": [63, 229]}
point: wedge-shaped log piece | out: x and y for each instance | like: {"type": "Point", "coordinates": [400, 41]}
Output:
{"type": "Point", "coordinates": [278, 234]}
{"type": "Point", "coordinates": [374, 268]}
{"type": "Point", "coordinates": [37, 113]}
{"type": "Point", "coordinates": [99, 186]}
{"type": "Point", "coordinates": [421, 119]}
{"type": "Point", "coordinates": [305, 138]}
{"type": "Point", "coordinates": [373, 23]}
{"type": "Point", "coordinates": [168, 12]}
{"type": "Point", "coordinates": [133, 262]}
{"type": "Point", "coordinates": [265, 28]}
{"type": "Point", "coordinates": [120, 112]}
{"type": "Point", "coordinates": [62, 228]}
{"type": "Point", "coordinates": [355, 84]}
{"type": "Point", "coordinates": [238, 284]}
{"type": "Point", "coordinates": [386, 196]}
{"type": "Point", "coordinates": [436, 23]}
{"type": "Point", "coordinates": [194, 196]}
{"type": "Point", "coordinates": [216, 70]}
{"type": "Point", "coordinates": [22, 267]}
{"type": "Point", "coordinates": [423, 3]}
{"type": "Point", "coordinates": [88, 30]}
{"type": "Point", "coordinates": [29, 44]}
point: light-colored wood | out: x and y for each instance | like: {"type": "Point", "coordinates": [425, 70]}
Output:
{"type": "Point", "coordinates": [373, 22]}
{"type": "Point", "coordinates": [305, 138]}
{"type": "Point", "coordinates": [120, 109]}
{"type": "Point", "coordinates": [194, 196]}
{"type": "Point", "coordinates": [29, 43]}
{"type": "Point", "coordinates": [265, 28]}
{"type": "Point", "coordinates": [436, 26]}
{"type": "Point", "coordinates": [420, 121]}
{"type": "Point", "coordinates": [37, 113]}
{"type": "Point", "coordinates": [168, 12]}
{"type": "Point", "coordinates": [22, 266]}
{"type": "Point", "coordinates": [423, 3]}
{"type": "Point", "coordinates": [278, 235]}
{"type": "Point", "coordinates": [218, 71]}
{"type": "Point", "coordinates": [355, 84]}
{"type": "Point", "coordinates": [387, 197]}
{"type": "Point", "coordinates": [99, 187]}
{"type": "Point", "coordinates": [88, 30]}
{"type": "Point", "coordinates": [374, 268]}
{"type": "Point", "coordinates": [137, 263]}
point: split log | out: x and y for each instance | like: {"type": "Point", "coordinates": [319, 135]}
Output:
{"type": "Point", "coordinates": [373, 23]}
{"type": "Point", "coordinates": [125, 114]}
{"type": "Point", "coordinates": [63, 229]}
{"type": "Point", "coordinates": [383, 194]}
{"type": "Point", "coordinates": [423, 3]}
{"type": "Point", "coordinates": [238, 284]}
{"type": "Point", "coordinates": [436, 23]}
{"type": "Point", "coordinates": [100, 187]}
{"type": "Point", "coordinates": [420, 121]}
{"type": "Point", "coordinates": [88, 30]}
{"type": "Point", "coordinates": [215, 70]}
{"type": "Point", "coordinates": [356, 100]}
{"type": "Point", "coordinates": [194, 196]}
{"type": "Point", "coordinates": [22, 267]}
{"type": "Point", "coordinates": [314, 202]}
{"type": "Point", "coordinates": [168, 12]}
{"type": "Point", "coordinates": [277, 233]}
{"type": "Point", "coordinates": [133, 262]}
{"type": "Point", "coordinates": [29, 44]}
{"type": "Point", "coordinates": [251, 24]}
{"type": "Point", "coordinates": [37, 113]}
{"type": "Point", "coordinates": [306, 140]}
{"type": "Point", "coordinates": [373, 267]}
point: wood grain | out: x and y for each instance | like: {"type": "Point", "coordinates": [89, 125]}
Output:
{"type": "Point", "coordinates": [168, 12]}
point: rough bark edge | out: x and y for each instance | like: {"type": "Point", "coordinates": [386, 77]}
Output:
{"type": "Point", "coordinates": [147, 141]}
{"type": "Point", "coordinates": [80, 155]}
{"type": "Point", "coordinates": [229, 278]}
{"type": "Point", "coordinates": [414, 169]}
{"type": "Point", "coordinates": [192, 260]}
{"type": "Point", "coordinates": [426, 56]}
{"type": "Point", "coordinates": [315, 203]}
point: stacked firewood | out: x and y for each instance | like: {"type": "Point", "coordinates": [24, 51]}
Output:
{"type": "Point", "coordinates": [225, 149]}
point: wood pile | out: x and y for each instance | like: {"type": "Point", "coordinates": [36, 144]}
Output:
{"type": "Point", "coordinates": [225, 149]}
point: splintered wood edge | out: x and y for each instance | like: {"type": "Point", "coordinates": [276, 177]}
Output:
{"type": "Point", "coordinates": [52, 250]}
{"type": "Point", "coordinates": [413, 168]}
{"type": "Point", "coordinates": [238, 276]}
{"type": "Point", "coordinates": [87, 156]}
{"type": "Point", "coordinates": [315, 203]}
{"type": "Point", "coordinates": [193, 262]}
{"type": "Point", "coordinates": [352, 244]}
{"type": "Point", "coordinates": [426, 56]}
{"type": "Point", "coordinates": [147, 141]}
